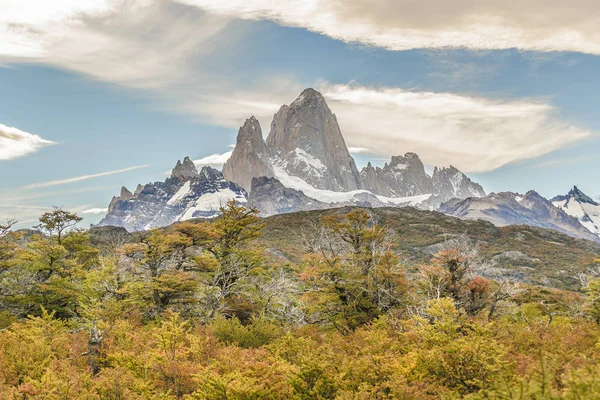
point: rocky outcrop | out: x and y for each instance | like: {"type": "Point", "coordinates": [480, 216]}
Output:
{"type": "Point", "coordinates": [185, 170]}
{"type": "Point", "coordinates": [305, 140]}
{"type": "Point", "coordinates": [124, 195]}
{"type": "Point", "coordinates": [250, 157]}
{"type": "Point", "coordinates": [270, 197]}
{"type": "Point", "coordinates": [208, 173]}
{"type": "Point", "coordinates": [451, 183]}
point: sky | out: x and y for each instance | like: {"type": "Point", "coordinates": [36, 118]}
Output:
{"type": "Point", "coordinates": [99, 94]}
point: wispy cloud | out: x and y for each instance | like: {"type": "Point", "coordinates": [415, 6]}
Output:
{"type": "Point", "coordinates": [213, 160]}
{"type": "Point", "coordinates": [437, 24]}
{"type": "Point", "coordinates": [17, 143]}
{"type": "Point", "coordinates": [359, 150]}
{"type": "Point", "coordinates": [475, 134]}
{"type": "Point", "coordinates": [83, 177]}
{"type": "Point", "coordinates": [111, 40]}
{"type": "Point", "coordinates": [95, 211]}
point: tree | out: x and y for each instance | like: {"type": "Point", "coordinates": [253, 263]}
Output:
{"type": "Point", "coordinates": [160, 280]}
{"type": "Point", "coordinates": [226, 261]}
{"type": "Point", "coordinates": [352, 273]}
{"type": "Point", "coordinates": [57, 222]}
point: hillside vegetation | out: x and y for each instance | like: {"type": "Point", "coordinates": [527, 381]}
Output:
{"type": "Point", "coordinates": [336, 304]}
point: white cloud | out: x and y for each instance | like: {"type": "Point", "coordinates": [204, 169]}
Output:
{"type": "Point", "coordinates": [433, 24]}
{"type": "Point", "coordinates": [166, 47]}
{"type": "Point", "coordinates": [474, 134]}
{"type": "Point", "coordinates": [95, 211]}
{"type": "Point", "coordinates": [137, 43]}
{"type": "Point", "coordinates": [359, 150]}
{"type": "Point", "coordinates": [17, 143]}
{"type": "Point", "coordinates": [213, 160]}
{"type": "Point", "coordinates": [82, 178]}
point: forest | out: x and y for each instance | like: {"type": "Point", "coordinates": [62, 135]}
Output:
{"type": "Point", "coordinates": [198, 310]}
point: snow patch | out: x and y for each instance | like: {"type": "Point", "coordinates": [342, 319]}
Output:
{"type": "Point", "coordinates": [183, 190]}
{"type": "Point", "coordinates": [212, 202]}
{"type": "Point", "coordinates": [329, 196]}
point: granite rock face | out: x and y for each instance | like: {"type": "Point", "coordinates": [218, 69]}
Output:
{"type": "Point", "coordinates": [305, 140]}
{"type": "Point", "coordinates": [451, 183]}
{"type": "Point", "coordinates": [185, 170]}
{"type": "Point", "coordinates": [250, 157]}
{"type": "Point", "coordinates": [124, 195]}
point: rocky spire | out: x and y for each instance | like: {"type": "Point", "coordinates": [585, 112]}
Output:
{"type": "Point", "coordinates": [138, 189]}
{"type": "Point", "coordinates": [124, 195]}
{"type": "Point", "coordinates": [250, 157]}
{"type": "Point", "coordinates": [185, 170]}
{"type": "Point", "coordinates": [580, 196]}
{"type": "Point", "coordinates": [306, 138]}
{"type": "Point", "coordinates": [208, 173]}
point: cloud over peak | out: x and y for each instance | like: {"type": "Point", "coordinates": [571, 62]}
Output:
{"type": "Point", "coordinates": [17, 143]}
{"type": "Point", "coordinates": [474, 134]}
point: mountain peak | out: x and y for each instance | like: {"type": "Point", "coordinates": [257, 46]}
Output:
{"type": "Point", "coordinates": [308, 96]}
{"type": "Point", "coordinates": [580, 196]}
{"type": "Point", "coordinates": [250, 156]}
{"type": "Point", "coordinates": [185, 170]}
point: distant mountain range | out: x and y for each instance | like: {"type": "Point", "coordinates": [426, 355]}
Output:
{"type": "Point", "coordinates": [304, 164]}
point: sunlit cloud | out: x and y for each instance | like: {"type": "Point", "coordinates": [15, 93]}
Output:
{"type": "Point", "coordinates": [17, 143]}
{"type": "Point", "coordinates": [474, 134]}
{"type": "Point", "coordinates": [435, 24]}
{"type": "Point", "coordinates": [213, 160]}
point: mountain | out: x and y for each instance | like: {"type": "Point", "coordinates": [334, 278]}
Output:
{"type": "Point", "coordinates": [305, 151]}
{"type": "Point", "coordinates": [250, 157]}
{"type": "Point", "coordinates": [451, 183]}
{"type": "Point", "coordinates": [507, 208]}
{"type": "Point", "coordinates": [577, 204]}
{"type": "Point", "coordinates": [306, 165]}
{"type": "Point", "coordinates": [403, 176]}
{"type": "Point", "coordinates": [305, 141]}
{"type": "Point", "coordinates": [186, 194]}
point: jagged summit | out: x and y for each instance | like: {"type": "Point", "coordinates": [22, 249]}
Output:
{"type": "Point", "coordinates": [305, 141]}
{"type": "Point", "coordinates": [185, 170]}
{"type": "Point", "coordinates": [250, 156]}
{"type": "Point", "coordinates": [581, 206]}
{"type": "Point", "coordinates": [124, 195]}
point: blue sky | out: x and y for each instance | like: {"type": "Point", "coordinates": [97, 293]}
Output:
{"type": "Point", "coordinates": [125, 89]}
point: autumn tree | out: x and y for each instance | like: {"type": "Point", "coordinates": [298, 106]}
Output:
{"type": "Point", "coordinates": [158, 277]}
{"type": "Point", "coordinates": [352, 273]}
{"type": "Point", "coordinates": [57, 222]}
{"type": "Point", "coordinates": [226, 260]}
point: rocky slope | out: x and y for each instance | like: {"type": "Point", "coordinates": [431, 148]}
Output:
{"type": "Point", "coordinates": [507, 208]}
{"type": "Point", "coordinates": [184, 195]}
{"type": "Point", "coordinates": [579, 205]}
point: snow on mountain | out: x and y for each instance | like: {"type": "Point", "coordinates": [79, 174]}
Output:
{"type": "Point", "coordinates": [507, 208]}
{"type": "Point", "coordinates": [182, 196]}
{"type": "Point", "coordinates": [579, 205]}
{"type": "Point", "coordinates": [350, 197]}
